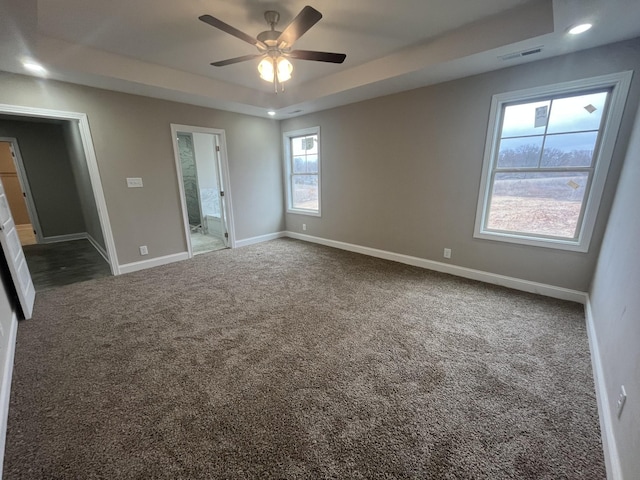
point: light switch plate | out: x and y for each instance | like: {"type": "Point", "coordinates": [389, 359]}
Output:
{"type": "Point", "coordinates": [134, 182]}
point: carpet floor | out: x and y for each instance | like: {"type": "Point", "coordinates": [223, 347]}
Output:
{"type": "Point", "coordinates": [293, 360]}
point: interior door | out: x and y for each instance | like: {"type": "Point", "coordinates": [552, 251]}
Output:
{"type": "Point", "coordinates": [223, 200]}
{"type": "Point", "coordinates": [15, 258]}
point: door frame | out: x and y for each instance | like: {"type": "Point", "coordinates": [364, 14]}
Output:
{"type": "Point", "coordinates": [227, 205]}
{"type": "Point", "coordinates": [26, 187]}
{"type": "Point", "coordinates": [92, 165]}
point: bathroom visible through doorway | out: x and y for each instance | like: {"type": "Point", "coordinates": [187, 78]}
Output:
{"type": "Point", "coordinates": [203, 188]}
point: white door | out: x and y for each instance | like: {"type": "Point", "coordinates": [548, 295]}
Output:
{"type": "Point", "coordinates": [15, 257]}
{"type": "Point", "coordinates": [221, 188]}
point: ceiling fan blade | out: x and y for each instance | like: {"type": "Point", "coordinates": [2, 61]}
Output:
{"type": "Point", "coordinates": [231, 61]}
{"type": "Point", "coordinates": [318, 56]}
{"type": "Point", "coordinates": [306, 19]}
{"type": "Point", "coordinates": [225, 27]}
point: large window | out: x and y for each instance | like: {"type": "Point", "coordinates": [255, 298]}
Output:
{"type": "Point", "coordinates": [547, 156]}
{"type": "Point", "coordinates": [302, 158]}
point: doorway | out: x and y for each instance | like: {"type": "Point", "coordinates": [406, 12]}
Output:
{"type": "Point", "coordinates": [90, 182]}
{"type": "Point", "coordinates": [201, 166]}
{"type": "Point", "coordinates": [18, 194]}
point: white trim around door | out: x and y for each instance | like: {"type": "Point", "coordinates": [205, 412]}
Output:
{"type": "Point", "coordinates": [227, 204]}
{"type": "Point", "coordinates": [92, 165]}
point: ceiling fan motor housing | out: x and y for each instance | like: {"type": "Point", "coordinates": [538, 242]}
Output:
{"type": "Point", "coordinates": [272, 17]}
{"type": "Point", "coordinates": [270, 37]}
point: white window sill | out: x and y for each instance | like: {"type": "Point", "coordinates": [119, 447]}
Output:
{"type": "Point", "coordinates": [555, 243]}
{"type": "Point", "coordinates": [310, 213]}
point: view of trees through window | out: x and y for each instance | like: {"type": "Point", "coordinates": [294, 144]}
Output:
{"type": "Point", "coordinates": [544, 164]}
{"type": "Point", "coordinates": [304, 172]}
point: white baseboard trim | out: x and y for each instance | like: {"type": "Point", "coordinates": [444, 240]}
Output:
{"type": "Point", "coordinates": [5, 388]}
{"type": "Point", "coordinates": [98, 247]}
{"type": "Point", "coordinates": [65, 238]}
{"type": "Point", "coordinates": [153, 262]}
{"type": "Point", "coordinates": [177, 257]}
{"type": "Point", "coordinates": [487, 277]}
{"type": "Point", "coordinates": [259, 239]}
{"type": "Point", "coordinates": [611, 458]}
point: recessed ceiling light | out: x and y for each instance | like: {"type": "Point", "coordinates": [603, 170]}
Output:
{"type": "Point", "coordinates": [34, 67]}
{"type": "Point", "coordinates": [583, 27]}
{"type": "Point", "coordinates": [271, 112]}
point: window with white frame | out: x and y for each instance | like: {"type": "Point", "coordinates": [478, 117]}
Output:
{"type": "Point", "coordinates": [546, 160]}
{"type": "Point", "coordinates": [302, 159]}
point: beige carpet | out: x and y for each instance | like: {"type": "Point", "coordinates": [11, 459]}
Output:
{"type": "Point", "coordinates": [293, 360]}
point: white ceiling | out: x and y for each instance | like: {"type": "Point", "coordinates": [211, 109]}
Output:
{"type": "Point", "coordinates": [160, 48]}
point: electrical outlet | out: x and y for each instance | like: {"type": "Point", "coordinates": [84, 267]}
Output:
{"type": "Point", "coordinates": [144, 250]}
{"type": "Point", "coordinates": [622, 398]}
{"type": "Point", "coordinates": [447, 253]}
{"type": "Point", "coordinates": [304, 226]}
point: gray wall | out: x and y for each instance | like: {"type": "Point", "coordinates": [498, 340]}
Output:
{"type": "Point", "coordinates": [132, 138]}
{"type": "Point", "coordinates": [401, 173]}
{"type": "Point", "coordinates": [82, 180]}
{"type": "Point", "coordinates": [46, 161]}
{"type": "Point", "coordinates": [615, 305]}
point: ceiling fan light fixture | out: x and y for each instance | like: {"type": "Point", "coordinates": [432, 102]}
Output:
{"type": "Point", "coordinates": [265, 67]}
{"type": "Point", "coordinates": [284, 69]}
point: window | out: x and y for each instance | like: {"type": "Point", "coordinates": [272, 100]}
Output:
{"type": "Point", "coordinates": [302, 158]}
{"type": "Point", "coordinates": [547, 155]}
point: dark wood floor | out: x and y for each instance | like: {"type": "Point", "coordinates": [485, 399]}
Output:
{"type": "Point", "coordinates": [55, 264]}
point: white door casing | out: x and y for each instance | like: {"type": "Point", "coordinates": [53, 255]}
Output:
{"type": "Point", "coordinates": [92, 165]}
{"type": "Point", "coordinates": [226, 205]}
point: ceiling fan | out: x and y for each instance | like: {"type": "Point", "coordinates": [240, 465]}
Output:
{"type": "Point", "coordinates": [274, 47]}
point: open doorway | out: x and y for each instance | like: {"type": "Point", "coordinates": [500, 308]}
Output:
{"type": "Point", "coordinates": [16, 188]}
{"type": "Point", "coordinates": [204, 187]}
{"type": "Point", "coordinates": [58, 178]}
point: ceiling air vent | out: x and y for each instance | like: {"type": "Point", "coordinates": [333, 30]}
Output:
{"type": "Point", "coordinates": [294, 112]}
{"type": "Point", "coordinates": [521, 54]}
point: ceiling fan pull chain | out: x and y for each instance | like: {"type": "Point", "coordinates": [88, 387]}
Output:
{"type": "Point", "coordinates": [275, 75]}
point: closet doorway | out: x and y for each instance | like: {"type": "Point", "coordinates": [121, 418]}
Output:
{"type": "Point", "coordinates": [201, 166]}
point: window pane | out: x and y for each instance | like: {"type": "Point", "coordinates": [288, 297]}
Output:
{"type": "Point", "coordinates": [297, 146]}
{"type": "Point", "coordinates": [305, 192]}
{"type": "Point", "coordinates": [537, 203]}
{"type": "Point", "coordinates": [569, 150]}
{"type": "Point", "coordinates": [519, 152]}
{"type": "Point", "coordinates": [573, 114]}
{"type": "Point", "coordinates": [312, 164]}
{"type": "Point", "coordinates": [299, 165]}
{"type": "Point", "coordinates": [304, 145]}
{"type": "Point", "coordinates": [521, 119]}
{"type": "Point", "coordinates": [311, 144]}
